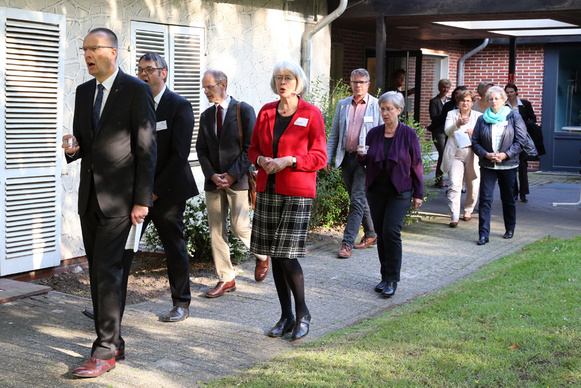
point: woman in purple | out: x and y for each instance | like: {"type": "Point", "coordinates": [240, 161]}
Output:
{"type": "Point", "coordinates": [394, 181]}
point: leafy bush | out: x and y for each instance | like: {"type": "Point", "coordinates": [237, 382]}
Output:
{"type": "Point", "coordinates": [197, 234]}
{"type": "Point", "coordinates": [331, 205]}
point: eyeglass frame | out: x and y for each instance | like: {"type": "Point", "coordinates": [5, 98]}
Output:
{"type": "Point", "coordinates": [359, 82]}
{"type": "Point", "coordinates": [210, 86]}
{"type": "Point", "coordinates": [148, 70]}
{"type": "Point", "coordinates": [94, 48]}
{"type": "Point", "coordinates": [287, 78]}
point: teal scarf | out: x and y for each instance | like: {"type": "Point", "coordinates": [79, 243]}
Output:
{"type": "Point", "coordinates": [494, 118]}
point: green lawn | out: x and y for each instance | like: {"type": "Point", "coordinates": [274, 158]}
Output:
{"type": "Point", "coordinates": [515, 323]}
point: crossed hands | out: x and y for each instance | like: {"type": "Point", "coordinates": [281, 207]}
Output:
{"type": "Point", "coordinates": [224, 180]}
{"type": "Point", "coordinates": [496, 157]}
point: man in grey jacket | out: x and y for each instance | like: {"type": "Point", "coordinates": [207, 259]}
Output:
{"type": "Point", "coordinates": [354, 117]}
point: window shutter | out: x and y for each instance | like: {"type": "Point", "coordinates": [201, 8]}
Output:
{"type": "Point", "coordinates": [186, 51]}
{"type": "Point", "coordinates": [183, 49]}
{"type": "Point", "coordinates": [33, 69]}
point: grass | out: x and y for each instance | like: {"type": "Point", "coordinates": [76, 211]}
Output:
{"type": "Point", "coordinates": [515, 323]}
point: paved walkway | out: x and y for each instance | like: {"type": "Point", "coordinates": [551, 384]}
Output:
{"type": "Point", "coordinates": [44, 337]}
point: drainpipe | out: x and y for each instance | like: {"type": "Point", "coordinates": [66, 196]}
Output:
{"type": "Point", "coordinates": [460, 76]}
{"type": "Point", "coordinates": [308, 36]}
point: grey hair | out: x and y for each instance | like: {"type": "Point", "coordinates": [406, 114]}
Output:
{"type": "Point", "coordinates": [159, 62]}
{"type": "Point", "coordinates": [219, 76]}
{"type": "Point", "coordinates": [396, 98]}
{"type": "Point", "coordinates": [443, 82]}
{"type": "Point", "coordinates": [496, 89]}
{"type": "Point", "coordinates": [482, 87]}
{"type": "Point", "coordinates": [296, 71]}
{"type": "Point", "coordinates": [361, 72]}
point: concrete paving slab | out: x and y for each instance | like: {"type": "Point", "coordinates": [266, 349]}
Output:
{"type": "Point", "coordinates": [43, 338]}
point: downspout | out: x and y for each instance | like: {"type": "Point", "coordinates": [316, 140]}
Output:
{"type": "Point", "coordinates": [308, 36]}
{"type": "Point", "coordinates": [460, 76]}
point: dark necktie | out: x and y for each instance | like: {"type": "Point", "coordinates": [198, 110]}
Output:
{"type": "Point", "coordinates": [97, 107]}
{"type": "Point", "coordinates": [219, 121]}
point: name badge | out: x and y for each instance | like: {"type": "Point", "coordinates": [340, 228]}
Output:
{"type": "Point", "coordinates": [368, 119]}
{"type": "Point", "coordinates": [302, 121]}
{"type": "Point", "coordinates": [161, 125]}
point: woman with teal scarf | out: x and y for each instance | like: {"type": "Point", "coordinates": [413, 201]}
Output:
{"type": "Point", "coordinates": [497, 140]}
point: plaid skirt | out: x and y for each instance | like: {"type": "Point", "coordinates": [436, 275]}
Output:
{"type": "Point", "coordinates": [280, 224]}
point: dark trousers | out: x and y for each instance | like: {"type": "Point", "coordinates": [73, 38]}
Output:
{"type": "Point", "coordinates": [506, 180]}
{"type": "Point", "coordinates": [523, 177]}
{"type": "Point", "coordinates": [388, 213]}
{"type": "Point", "coordinates": [169, 222]}
{"type": "Point", "coordinates": [104, 239]}
{"type": "Point", "coordinates": [354, 179]}
{"type": "Point", "coordinates": [439, 139]}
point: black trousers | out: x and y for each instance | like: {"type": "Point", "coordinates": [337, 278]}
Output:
{"type": "Point", "coordinates": [439, 139]}
{"type": "Point", "coordinates": [104, 239]}
{"type": "Point", "coordinates": [388, 213]}
{"type": "Point", "coordinates": [169, 222]}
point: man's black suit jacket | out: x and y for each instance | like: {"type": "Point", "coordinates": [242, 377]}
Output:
{"type": "Point", "coordinates": [121, 156]}
{"type": "Point", "coordinates": [222, 155]}
{"type": "Point", "coordinates": [174, 181]}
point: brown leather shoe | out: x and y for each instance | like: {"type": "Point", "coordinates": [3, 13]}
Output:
{"type": "Point", "coordinates": [119, 354]}
{"type": "Point", "coordinates": [441, 184]}
{"type": "Point", "coordinates": [221, 288]}
{"type": "Point", "coordinates": [453, 224]}
{"type": "Point", "coordinates": [345, 251]}
{"type": "Point", "coordinates": [467, 217]}
{"type": "Point", "coordinates": [261, 269]}
{"type": "Point", "coordinates": [365, 242]}
{"type": "Point", "coordinates": [94, 367]}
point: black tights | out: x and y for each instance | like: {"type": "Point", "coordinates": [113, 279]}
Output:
{"type": "Point", "coordinates": [288, 277]}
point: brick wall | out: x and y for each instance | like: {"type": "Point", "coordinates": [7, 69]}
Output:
{"type": "Point", "coordinates": [490, 64]}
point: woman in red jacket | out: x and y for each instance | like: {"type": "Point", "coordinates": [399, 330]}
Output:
{"type": "Point", "coordinates": [288, 147]}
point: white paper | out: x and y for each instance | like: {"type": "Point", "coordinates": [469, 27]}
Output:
{"type": "Point", "coordinates": [462, 139]}
{"type": "Point", "coordinates": [134, 237]}
{"type": "Point", "coordinates": [302, 121]}
{"type": "Point", "coordinates": [161, 125]}
{"type": "Point", "coordinates": [363, 136]}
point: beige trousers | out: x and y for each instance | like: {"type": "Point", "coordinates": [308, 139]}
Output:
{"type": "Point", "coordinates": [464, 169]}
{"type": "Point", "coordinates": [217, 204]}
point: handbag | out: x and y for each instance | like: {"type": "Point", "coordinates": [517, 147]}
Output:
{"type": "Point", "coordinates": [250, 174]}
{"type": "Point", "coordinates": [530, 150]}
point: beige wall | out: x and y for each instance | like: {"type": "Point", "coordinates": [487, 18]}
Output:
{"type": "Point", "coordinates": [243, 38]}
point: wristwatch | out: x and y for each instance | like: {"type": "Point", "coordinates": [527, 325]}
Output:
{"type": "Point", "coordinates": [294, 165]}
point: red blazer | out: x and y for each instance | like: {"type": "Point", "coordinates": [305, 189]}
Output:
{"type": "Point", "coordinates": [306, 142]}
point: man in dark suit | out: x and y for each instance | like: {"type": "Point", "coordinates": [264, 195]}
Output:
{"type": "Point", "coordinates": [114, 136]}
{"type": "Point", "coordinates": [437, 127]}
{"type": "Point", "coordinates": [225, 165]}
{"type": "Point", "coordinates": [173, 184]}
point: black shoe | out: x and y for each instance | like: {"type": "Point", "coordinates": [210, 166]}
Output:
{"type": "Point", "coordinates": [482, 241]}
{"type": "Point", "coordinates": [523, 198]}
{"type": "Point", "coordinates": [89, 314]}
{"type": "Point", "coordinates": [283, 326]}
{"type": "Point", "coordinates": [176, 314]}
{"type": "Point", "coordinates": [508, 234]}
{"type": "Point", "coordinates": [389, 289]}
{"type": "Point", "coordinates": [301, 327]}
{"type": "Point", "coordinates": [380, 286]}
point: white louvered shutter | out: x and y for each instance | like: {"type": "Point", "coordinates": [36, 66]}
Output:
{"type": "Point", "coordinates": [183, 49]}
{"type": "Point", "coordinates": [33, 51]}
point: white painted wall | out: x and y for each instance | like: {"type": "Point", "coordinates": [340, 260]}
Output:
{"type": "Point", "coordinates": [243, 38]}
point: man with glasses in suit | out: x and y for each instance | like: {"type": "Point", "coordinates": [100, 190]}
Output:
{"type": "Point", "coordinates": [225, 164]}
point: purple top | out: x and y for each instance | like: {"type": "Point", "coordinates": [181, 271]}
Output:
{"type": "Point", "coordinates": [403, 162]}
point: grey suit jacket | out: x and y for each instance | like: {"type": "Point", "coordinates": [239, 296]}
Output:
{"type": "Point", "coordinates": [338, 135]}
{"type": "Point", "coordinates": [217, 156]}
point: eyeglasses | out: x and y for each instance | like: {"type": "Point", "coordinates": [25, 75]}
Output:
{"type": "Point", "coordinates": [94, 48]}
{"type": "Point", "coordinates": [148, 70]}
{"type": "Point", "coordinates": [209, 87]}
{"type": "Point", "coordinates": [287, 78]}
{"type": "Point", "coordinates": [359, 82]}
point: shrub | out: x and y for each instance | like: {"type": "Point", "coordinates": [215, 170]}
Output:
{"type": "Point", "coordinates": [331, 205]}
{"type": "Point", "coordinates": [197, 234]}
